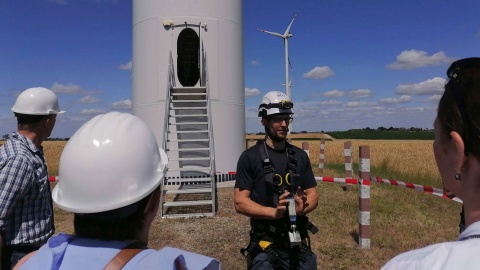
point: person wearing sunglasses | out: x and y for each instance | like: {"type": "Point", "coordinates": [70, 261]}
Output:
{"type": "Point", "coordinates": [276, 188]}
{"type": "Point", "coordinates": [457, 154]}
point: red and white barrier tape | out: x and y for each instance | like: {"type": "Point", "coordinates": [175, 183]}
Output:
{"type": "Point", "coordinates": [337, 180]}
{"type": "Point", "coordinates": [426, 189]}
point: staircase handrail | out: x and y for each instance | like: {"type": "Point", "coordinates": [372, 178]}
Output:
{"type": "Point", "coordinates": [213, 171]}
{"type": "Point", "coordinates": [170, 85]}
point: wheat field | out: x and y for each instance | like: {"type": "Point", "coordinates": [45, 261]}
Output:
{"type": "Point", "coordinates": [401, 155]}
{"type": "Point", "coordinates": [404, 156]}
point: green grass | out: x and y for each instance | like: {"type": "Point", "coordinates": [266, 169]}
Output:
{"type": "Point", "coordinates": [401, 219]}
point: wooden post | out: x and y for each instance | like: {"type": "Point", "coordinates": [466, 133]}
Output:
{"type": "Point", "coordinates": [306, 148]}
{"type": "Point", "coordinates": [251, 143]}
{"type": "Point", "coordinates": [347, 153]}
{"type": "Point", "coordinates": [364, 197]}
{"type": "Point", "coordinates": [322, 155]}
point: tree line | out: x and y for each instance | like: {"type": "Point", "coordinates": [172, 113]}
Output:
{"type": "Point", "coordinates": [380, 133]}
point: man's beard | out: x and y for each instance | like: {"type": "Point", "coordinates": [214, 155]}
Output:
{"type": "Point", "coordinates": [273, 136]}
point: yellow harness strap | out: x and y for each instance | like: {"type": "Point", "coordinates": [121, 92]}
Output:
{"type": "Point", "coordinates": [264, 244]}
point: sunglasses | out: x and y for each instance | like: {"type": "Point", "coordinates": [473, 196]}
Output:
{"type": "Point", "coordinates": [454, 74]}
{"type": "Point", "coordinates": [279, 119]}
{"type": "Point", "coordinates": [284, 104]}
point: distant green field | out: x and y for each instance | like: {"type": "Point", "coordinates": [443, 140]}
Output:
{"type": "Point", "coordinates": [360, 134]}
{"type": "Point", "coordinates": [383, 135]}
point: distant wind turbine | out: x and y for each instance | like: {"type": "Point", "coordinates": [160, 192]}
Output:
{"type": "Point", "coordinates": [285, 38]}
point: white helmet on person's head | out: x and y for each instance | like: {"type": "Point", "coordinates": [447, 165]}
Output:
{"type": "Point", "coordinates": [275, 102]}
{"type": "Point", "coordinates": [37, 101]}
{"type": "Point", "coordinates": [112, 161]}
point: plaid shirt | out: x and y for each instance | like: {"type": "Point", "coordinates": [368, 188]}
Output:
{"type": "Point", "coordinates": [26, 209]}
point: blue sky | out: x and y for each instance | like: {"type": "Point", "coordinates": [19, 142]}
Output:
{"type": "Point", "coordinates": [355, 63]}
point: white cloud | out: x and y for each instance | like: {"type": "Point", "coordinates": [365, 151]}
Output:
{"type": "Point", "coordinates": [319, 73]}
{"type": "Point", "coordinates": [360, 93]}
{"type": "Point", "coordinates": [251, 92]}
{"type": "Point", "coordinates": [121, 105]}
{"type": "Point", "coordinates": [317, 115]}
{"type": "Point", "coordinates": [434, 99]}
{"type": "Point", "coordinates": [91, 111]}
{"type": "Point", "coordinates": [127, 66]}
{"type": "Point", "coordinates": [255, 63]}
{"type": "Point", "coordinates": [428, 87]}
{"type": "Point", "coordinates": [89, 99]}
{"type": "Point", "coordinates": [312, 96]}
{"type": "Point", "coordinates": [330, 102]}
{"type": "Point", "coordinates": [358, 104]}
{"type": "Point", "coordinates": [334, 93]}
{"type": "Point", "coordinates": [401, 99]}
{"type": "Point", "coordinates": [411, 59]}
{"type": "Point", "coordinates": [69, 89]}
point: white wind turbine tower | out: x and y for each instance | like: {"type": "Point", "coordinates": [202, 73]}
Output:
{"type": "Point", "coordinates": [285, 38]}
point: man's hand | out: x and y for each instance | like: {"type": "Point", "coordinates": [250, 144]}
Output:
{"type": "Point", "coordinates": [300, 201]}
{"type": "Point", "coordinates": [282, 205]}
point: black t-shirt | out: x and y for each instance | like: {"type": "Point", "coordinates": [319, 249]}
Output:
{"type": "Point", "coordinates": [251, 176]}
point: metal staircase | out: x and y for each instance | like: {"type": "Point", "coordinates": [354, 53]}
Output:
{"type": "Point", "coordinates": [189, 186]}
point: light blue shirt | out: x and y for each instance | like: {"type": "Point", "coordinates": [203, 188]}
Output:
{"type": "Point", "coordinates": [460, 254]}
{"type": "Point", "coordinates": [65, 251]}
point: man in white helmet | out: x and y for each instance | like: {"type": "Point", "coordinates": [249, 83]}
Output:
{"type": "Point", "coordinates": [110, 173]}
{"type": "Point", "coordinates": [276, 188]}
{"type": "Point", "coordinates": [26, 212]}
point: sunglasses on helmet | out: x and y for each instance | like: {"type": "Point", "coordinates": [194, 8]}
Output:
{"type": "Point", "coordinates": [284, 104]}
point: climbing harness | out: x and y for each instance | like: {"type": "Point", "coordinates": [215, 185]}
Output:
{"type": "Point", "coordinates": [271, 237]}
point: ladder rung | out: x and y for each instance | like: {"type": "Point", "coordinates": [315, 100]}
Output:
{"type": "Point", "coordinates": [188, 101]}
{"type": "Point", "coordinates": [187, 203]}
{"type": "Point", "coordinates": [189, 123]}
{"type": "Point", "coordinates": [189, 149]}
{"type": "Point", "coordinates": [189, 115]}
{"type": "Point", "coordinates": [189, 88]}
{"type": "Point", "coordinates": [189, 140]}
{"type": "Point", "coordinates": [189, 158]}
{"type": "Point", "coordinates": [188, 108]}
{"type": "Point", "coordinates": [189, 131]}
{"type": "Point", "coordinates": [188, 94]}
{"type": "Point", "coordinates": [188, 191]}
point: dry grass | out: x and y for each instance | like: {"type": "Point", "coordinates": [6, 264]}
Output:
{"type": "Point", "coordinates": [401, 219]}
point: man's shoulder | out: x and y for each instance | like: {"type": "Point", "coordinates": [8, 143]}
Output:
{"type": "Point", "coordinates": [426, 257]}
{"type": "Point", "coordinates": [168, 256]}
{"type": "Point", "coordinates": [253, 150]}
{"type": "Point", "coordinates": [14, 149]}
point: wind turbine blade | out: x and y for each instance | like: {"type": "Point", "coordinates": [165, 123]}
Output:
{"type": "Point", "coordinates": [290, 25]}
{"type": "Point", "coordinates": [271, 33]}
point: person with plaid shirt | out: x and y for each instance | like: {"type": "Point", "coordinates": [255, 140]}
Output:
{"type": "Point", "coordinates": [26, 208]}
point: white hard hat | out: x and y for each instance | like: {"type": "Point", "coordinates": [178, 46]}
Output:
{"type": "Point", "coordinates": [275, 102]}
{"type": "Point", "coordinates": [112, 161]}
{"type": "Point", "coordinates": [37, 101]}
